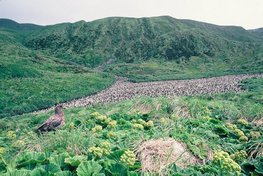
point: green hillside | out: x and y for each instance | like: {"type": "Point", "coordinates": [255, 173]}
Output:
{"type": "Point", "coordinates": [131, 40]}
{"type": "Point", "coordinates": [31, 80]}
{"type": "Point", "coordinates": [132, 46]}
{"type": "Point", "coordinates": [10, 24]}
{"type": "Point", "coordinates": [257, 32]}
{"type": "Point", "coordinates": [38, 62]}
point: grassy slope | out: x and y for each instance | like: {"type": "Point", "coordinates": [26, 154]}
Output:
{"type": "Point", "coordinates": [31, 80]}
{"type": "Point", "coordinates": [181, 48]}
{"type": "Point", "coordinates": [196, 67]}
{"type": "Point", "coordinates": [204, 127]}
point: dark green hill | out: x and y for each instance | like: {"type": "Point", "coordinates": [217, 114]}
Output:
{"type": "Point", "coordinates": [10, 24]}
{"type": "Point", "coordinates": [131, 40]}
{"type": "Point", "coordinates": [258, 32]}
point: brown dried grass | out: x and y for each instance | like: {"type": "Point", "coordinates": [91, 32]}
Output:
{"type": "Point", "coordinates": [258, 122]}
{"type": "Point", "coordinates": [157, 155]}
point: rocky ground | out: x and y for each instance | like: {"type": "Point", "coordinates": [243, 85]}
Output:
{"type": "Point", "coordinates": [123, 89]}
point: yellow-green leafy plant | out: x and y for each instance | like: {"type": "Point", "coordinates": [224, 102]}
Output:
{"type": "Point", "coordinates": [243, 138]}
{"type": "Point", "coordinates": [206, 118]}
{"type": "Point", "coordinates": [111, 134]}
{"type": "Point", "coordinates": [101, 118]}
{"type": "Point", "coordinates": [95, 114]}
{"type": "Point", "coordinates": [137, 126]}
{"type": "Point", "coordinates": [238, 132]}
{"type": "Point", "coordinates": [96, 151]}
{"type": "Point", "coordinates": [106, 147]}
{"type": "Point", "coordinates": [128, 158]}
{"type": "Point", "coordinates": [149, 124]}
{"type": "Point", "coordinates": [242, 122]}
{"type": "Point", "coordinates": [96, 129]}
{"type": "Point", "coordinates": [112, 124]}
{"type": "Point", "coordinates": [239, 155]}
{"type": "Point", "coordinates": [255, 134]}
{"type": "Point", "coordinates": [226, 163]}
{"type": "Point", "coordinates": [2, 151]}
{"type": "Point", "coordinates": [103, 149]}
{"type": "Point", "coordinates": [139, 121]}
{"type": "Point", "coordinates": [11, 134]}
{"type": "Point", "coordinates": [231, 126]}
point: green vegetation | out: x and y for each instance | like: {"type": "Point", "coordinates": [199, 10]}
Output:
{"type": "Point", "coordinates": [30, 80]}
{"type": "Point", "coordinates": [30, 94]}
{"type": "Point", "coordinates": [196, 67]}
{"type": "Point", "coordinates": [102, 140]}
{"type": "Point", "coordinates": [44, 65]}
{"type": "Point", "coordinates": [134, 47]}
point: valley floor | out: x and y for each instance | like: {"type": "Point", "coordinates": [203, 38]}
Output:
{"type": "Point", "coordinates": [125, 90]}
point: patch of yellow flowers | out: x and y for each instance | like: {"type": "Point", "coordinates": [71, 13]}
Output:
{"type": "Point", "coordinates": [96, 151]}
{"type": "Point", "coordinates": [2, 151]}
{"type": "Point", "coordinates": [255, 134]}
{"type": "Point", "coordinates": [239, 155]}
{"type": "Point", "coordinates": [102, 119]}
{"type": "Point", "coordinates": [102, 149]}
{"type": "Point", "coordinates": [105, 147]}
{"type": "Point", "coordinates": [94, 114]}
{"type": "Point", "coordinates": [239, 133]}
{"type": "Point", "coordinates": [242, 121]}
{"type": "Point", "coordinates": [111, 134]}
{"type": "Point", "coordinates": [140, 124]}
{"type": "Point", "coordinates": [137, 126]}
{"type": "Point", "coordinates": [231, 126]}
{"type": "Point", "coordinates": [149, 124]}
{"type": "Point", "coordinates": [96, 129]}
{"type": "Point", "coordinates": [112, 124]}
{"type": "Point", "coordinates": [128, 158]}
{"type": "Point", "coordinates": [11, 134]}
{"type": "Point", "coordinates": [226, 162]}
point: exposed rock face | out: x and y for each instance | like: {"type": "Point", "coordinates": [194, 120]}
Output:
{"type": "Point", "coordinates": [124, 90]}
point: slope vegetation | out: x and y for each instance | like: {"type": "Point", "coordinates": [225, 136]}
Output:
{"type": "Point", "coordinates": [30, 80]}
{"type": "Point", "coordinates": [44, 65]}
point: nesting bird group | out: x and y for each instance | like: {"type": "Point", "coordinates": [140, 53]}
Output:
{"type": "Point", "coordinates": [124, 90]}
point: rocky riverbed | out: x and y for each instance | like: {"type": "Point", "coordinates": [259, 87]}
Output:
{"type": "Point", "coordinates": [124, 90]}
